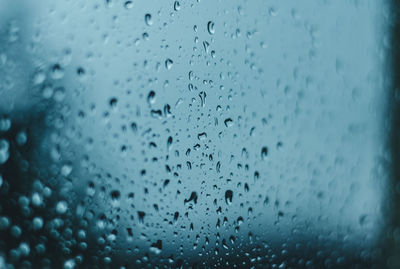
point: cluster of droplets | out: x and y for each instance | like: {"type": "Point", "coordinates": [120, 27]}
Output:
{"type": "Point", "coordinates": [191, 174]}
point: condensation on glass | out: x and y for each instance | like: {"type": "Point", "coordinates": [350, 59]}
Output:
{"type": "Point", "coordinates": [226, 134]}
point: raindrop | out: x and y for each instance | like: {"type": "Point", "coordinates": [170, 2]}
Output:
{"type": "Point", "coordinates": [62, 207]}
{"type": "Point", "coordinates": [169, 143]}
{"type": "Point", "coordinates": [151, 98]}
{"type": "Point", "coordinates": [141, 216]}
{"type": "Point", "coordinates": [5, 124]}
{"type": "Point", "coordinates": [228, 122]}
{"type": "Point", "coordinates": [156, 247]}
{"type": "Point", "coordinates": [21, 138]}
{"type": "Point", "coordinates": [115, 195]}
{"type": "Point", "coordinates": [228, 197]}
{"type": "Point", "coordinates": [128, 4]}
{"type": "Point", "coordinates": [264, 153]}
{"type": "Point", "coordinates": [168, 64]}
{"type": "Point", "coordinates": [37, 223]}
{"type": "Point", "coordinates": [80, 71]}
{"type": "Point", "coordinates": [206, 45]}
{"type": "Point", "coordinates": [134, 127]}
{"type": "Point", "coordinates": [57, 72]}
{"type": "Point", "coordinates": [39, 77]}
{"type": "Point", "coordinates": [148, 20]}
{"type": "Point", "coordinates": [4, 151]}
{"type": "Point", "coordinates": [202, 136]}
{"type": "Point", "coordinates": [193, 197]}
{"type": "Point", "coordinates": [177, 6]}
{"type": "Point", "coordinates": [256, 175]}
{"type": "Point", "coordinates": [113, 102]}
{"type": "Point", "coordinates": [69, 264]}
{"type": "Point", "coordinates": [203, 96]}
{"type": "Point", "coordinates": [211, 28]}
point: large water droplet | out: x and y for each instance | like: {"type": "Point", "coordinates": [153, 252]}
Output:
{"type": "Point", "coordinates": [168, 64]}
{"type": "Point", "coordinates": [177, 6]}
{"type": "Point", "coordinates": [128, 4]}
{"type": "Point", "coordinates": [211, 27]}
{"type": "Point", "coordinates": [148, 20]}
{"type": "Point", "coordinates": [228, 197]}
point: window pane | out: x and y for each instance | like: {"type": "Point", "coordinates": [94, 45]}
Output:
{"type": "Point", "coordinates": [198, 134]}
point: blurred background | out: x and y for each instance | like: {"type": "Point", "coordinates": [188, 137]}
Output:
{"type": "Point", "coordinates": [198, 134]}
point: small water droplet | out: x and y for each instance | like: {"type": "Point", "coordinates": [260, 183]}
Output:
{"type": "Point", "coordinates": [228, 122]}
{"type": "Point", "coordinates": [4, 151]}
{"type": "Point", "coordinates": [39, 77]}
{"type": "Point", "coordinates": [151, 98]}
{"type": "Point", "coordinates": [148, 20]}
{"type": "Point", "coordinates": [37, 223]}
{"type": "Point", "coordinates": [61, 207]}
{"type": "Point", "coordinates": [113, 102]}
{"type": "Point", "coordinates": [228, 197]}
{"type": "Point", "coordinates": [57, 72]}
{"type": "Point", "coordinates": [156, 247]}
{"type": "Point", "coordinates": [211, 27]}
{"type": "Point", "coordinates": [264, 153]}
{"type": "Point", "coordinates": [128, 4]}
{"type": "Point", "coordinates": [169, 143]}
{"type": "Point", "coordinates": [177, 6]}
{"type": "Point", "coordinates": [141, 216]}
{"type": "Point", "coordinates": [202, 136]}
{"type": "Point", "coordinates": [168, 64]}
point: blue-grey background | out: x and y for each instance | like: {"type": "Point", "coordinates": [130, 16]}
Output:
{"type": "Point", "coordinates": [303, 80]}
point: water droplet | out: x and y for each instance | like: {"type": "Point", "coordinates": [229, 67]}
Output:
{"type": "Point", "coordinates": [202, 136]}
{"type": "Point", "coordinates": [256, 175]}
{"type": "Point", "coordinates": [156, 247]}
{"type": "Point", "coordinates": [151, 97]}
{"type": "Point", "coordinates": [169, 143]}
{"type": "Point", "coordinates": [37, 200]}
{"type": "Point", "coordinates": [272, 12]}
{"type": "Point", "coordinates": [57, 72]}
{"type": "Point", "coordinates": [80, 71]}
{"type": "Point", "coordinates": [168, 64]}
{"type": "Point", "coordinates": [228, 122]}
{"type": "Point", "coordinates": [134, 127]}
{"type": "Point", "coordinates": [228, 197]}
{"type": "Point", "coordinates": [21, 138]}
{"type": "Point", "coordinates": [113, 102]}
{"type": "Point", "coordinates": [5, 124]}
{"type": "Point", "coordinates": [177, 6]}
{"type": "Point", "coordinates": [69, 264]}
{"type": "Point", "coordinates": [128, 4]}
{"type": "Point", "coordinates": [211, 28]}
{"type": "Point", "coordinates": [148, 20]}
{"type": "Point", "coordinates": [37, 223]}
{"type": "Point", "coordinates": [206, 45]}
{"type": "Point", "coordinates": [4, 223]}
{"type": "Point", "coordinates": [66, 170]}
{"type": "Point", "coordinates": [141, 216]}
{"type": "Point", "coordinates": [193, 197]}
{"type": "Point", "coordinates": [39, 77]}
{"type": "Point", "coordinates": [4, 151]}
{"type": "Point", "coordinates": [202, 96]}
{"type": "Point", "coordinates": [115, 194]}
{"type": "Point", "coordinates": [24, 249]}
{"type": "Point", "coordinates": [264, 153]}
{"type": "Point", "coordinates": [61, 207]}
{"type": "Point", "coordinates": [16, 231]}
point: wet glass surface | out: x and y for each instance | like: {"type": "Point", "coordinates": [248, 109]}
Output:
{"type": "Point", "coordinates": [198, 134]}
